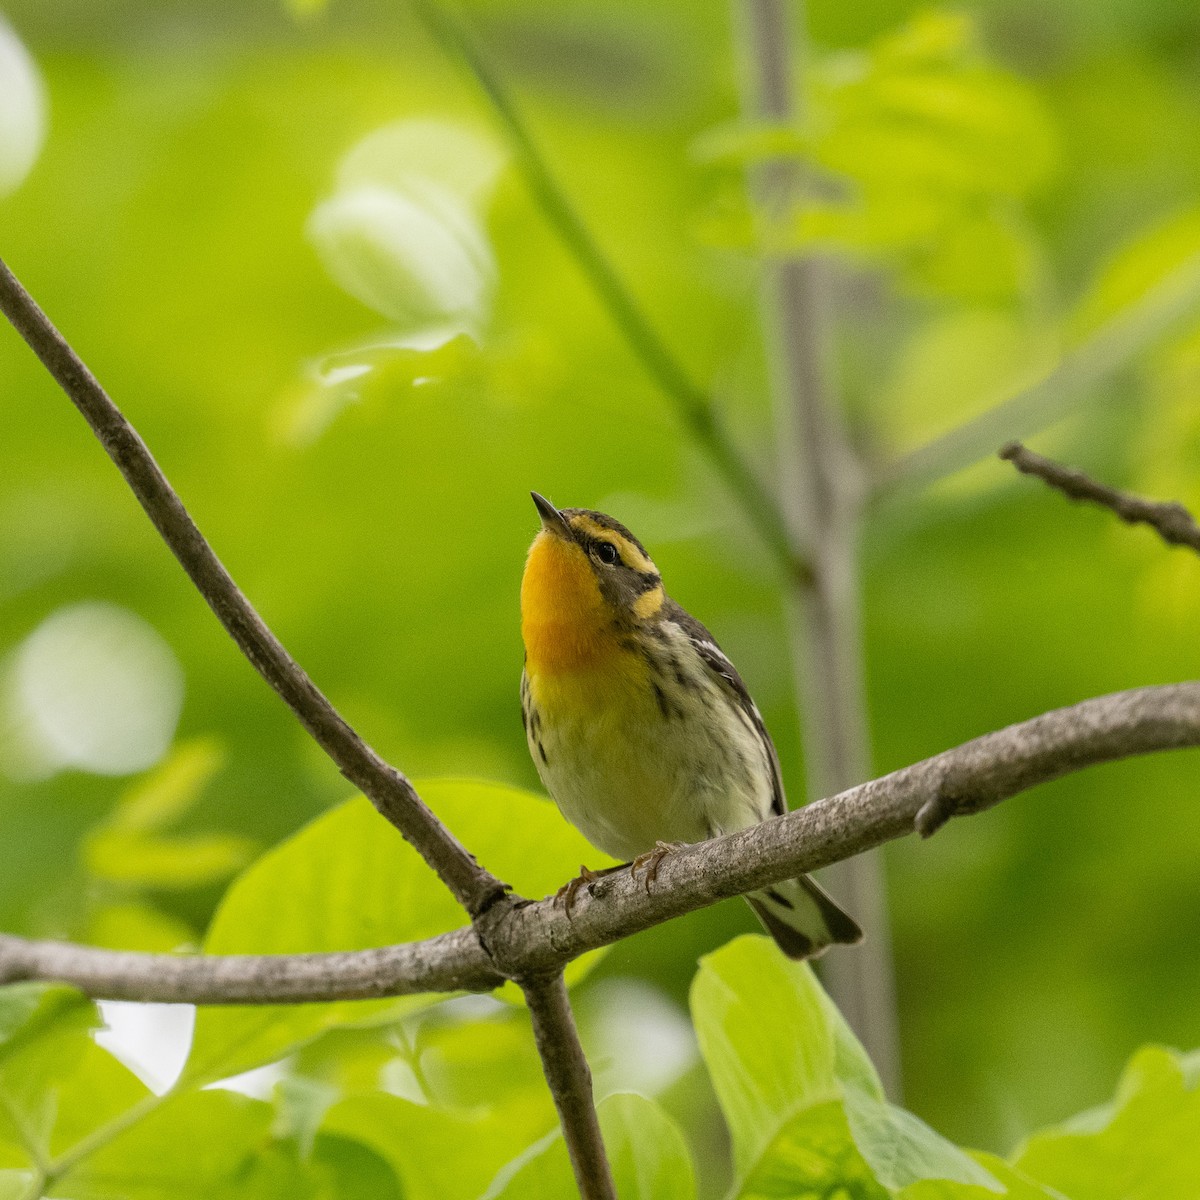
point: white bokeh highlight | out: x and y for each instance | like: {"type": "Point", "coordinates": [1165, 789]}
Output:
{"type": "Point", "coordinates": [639, 1039]}
{"type": "Point", "coordinates": [93, 688]}
{"type": "Point", "coordinates": [152, 1040]}
{"type": "Point", "coordinates": [22, 110]}
{"type": "Point", "coordinates": [403, 231]}
{"type": "Point", "coordinates": [416, 256]}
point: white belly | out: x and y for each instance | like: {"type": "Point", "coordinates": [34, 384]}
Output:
{"type": "Point", "coordinates": [628, 775]}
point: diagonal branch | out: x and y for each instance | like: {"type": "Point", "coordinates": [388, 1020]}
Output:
{"type": "Point", "coordinates": [694, 405]}
{"type": "Point", "coordinates": [532, 939]}
{"type": "Point", "coordinates": [1173, 523]}
{"type": "Point", "coordinates": [1112, 346]}
{"type": "Point", "coordinates": [387, 788]}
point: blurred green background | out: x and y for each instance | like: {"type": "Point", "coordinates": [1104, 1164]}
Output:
{"type": "Point", "coordinates": [380, 528]}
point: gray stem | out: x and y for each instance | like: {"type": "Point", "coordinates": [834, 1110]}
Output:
{"type": "Point", "coordinates": [821, 498]}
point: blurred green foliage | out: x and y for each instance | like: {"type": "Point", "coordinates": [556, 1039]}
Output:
{"type": "Point", "coordinates": [994, 184]}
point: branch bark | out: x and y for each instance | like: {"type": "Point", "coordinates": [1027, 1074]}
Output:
{"type": "Point", "coordinates": [820, 495]}
{"type": "Point", "coordinates": [570, 1079]}
{"type": "Point", "coordinates": [526, 940]}
{"type": "Point", "coordinates": [1168, 518]}
{"type": "Point", "coordinates": [387, 788]}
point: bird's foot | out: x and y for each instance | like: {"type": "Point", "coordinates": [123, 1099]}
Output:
{"type": "Point", "coordinates": [585, 878]}
{"type": "Point", "coordinates": [652, 860]}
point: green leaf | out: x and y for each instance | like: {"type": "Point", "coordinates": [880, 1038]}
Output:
{"type": "Point", "coordinates": [811, 1153]}
{"type": "Point", "coordinates": [1018, 1185]}
{"type": "Point", "coordinates": [45, 1032]}
{"type": "Point", "coordinates": [216, 1145]}
{"type": "Point", "coordinates": [801, 1098]}
{"type": "Point", "coordinates": [171, 790]}
{"type": "Point", "coordinates": [773, 1041]}
{"type": "Point", "coordinates": [57, 1086]}
{"type": "Point", "coordinates": [369, 375]}
{"type": "Point", "coordinates": [147, 860]}
{"type": "Point", "coordinates": [131, 925]}
{"type": "Point", "coordinates": [1141, 1147]}
{"type": "Point", "coordinates": [349, 881]}
{"type": "Point", "coordinates": [129, 847]}
{"type": "Point", "coordinates": [922, 107]}
{"type": "Point", "coordinates": [649, 1158]}
{"type": "Point", "coordinates": [901, 1149]}
{"type": "Point", "coordinates": [1167, 251]}
{"type": "Point", "coordinates": [425, 1145]}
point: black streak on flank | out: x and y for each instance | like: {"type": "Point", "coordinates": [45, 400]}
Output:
{"type": "Point", "coordinates": [663, 706]}
{"type": "Point", "coordinates": [542, 751]}
{"type": "Point", "coordinates": [779, 898]}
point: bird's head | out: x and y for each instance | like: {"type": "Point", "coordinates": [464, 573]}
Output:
{"type": "Point", "coordinates": [587, 581]}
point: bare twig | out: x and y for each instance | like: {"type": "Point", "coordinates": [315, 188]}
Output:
{"type": "Point", "coordinates": [820, 495]}
{"type": "Point", "coordinates": [1173, 523]}
{"type": "Point", "coordinates": [1113, 345]}
{"type": "Point", "coordinates": [386, 787]}
{"type": "Point", "coordinates": [570, 1081]}
{"type": "Point", "coordinates": [528, 940]}
{"type": "Point", "coordinates": [693, 403]}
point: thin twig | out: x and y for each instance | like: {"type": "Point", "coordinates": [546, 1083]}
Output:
{"type": "Point", "coordinates": [570, 1079]}
{"type": "Point", "coordinates": [819, 493]}
{"type": "Point", "coordinates": [1110, 347]}
{"type": "Point", "coordinates": [387, 788]}
{"type": "Point", "coordinates": [693, 404]}
{"type": "Point", "coordinates": [527, 940]}
{"type": "Point", "coordinates": [1173, 523]}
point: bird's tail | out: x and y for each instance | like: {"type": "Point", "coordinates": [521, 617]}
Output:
{"type": "Point", "coordinates": [803, 918]}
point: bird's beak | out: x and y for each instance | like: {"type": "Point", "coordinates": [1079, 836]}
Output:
{"type": "Point", "coordinates": [552, 520]}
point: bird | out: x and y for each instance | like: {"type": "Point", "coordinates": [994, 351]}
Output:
{"type": "Point", "coordinates": [640, 727]}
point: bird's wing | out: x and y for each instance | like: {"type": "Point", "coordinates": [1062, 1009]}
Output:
{"type": "Point", "coordinates": [717, 662]}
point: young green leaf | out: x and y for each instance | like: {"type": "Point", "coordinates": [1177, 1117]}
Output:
{"type": "Point", "coordinates": [217, 1145]}
{"type": "Point", "coordinates": [802, 1100]}
{"type": "Point", "coordinates": [772, 1040]}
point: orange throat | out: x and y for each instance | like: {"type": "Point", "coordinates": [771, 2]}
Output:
{"type": "Point", "coordinates": [565, 622]}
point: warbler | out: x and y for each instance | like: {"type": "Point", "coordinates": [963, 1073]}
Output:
{"type": "Point", "coordinates": [642, 730]}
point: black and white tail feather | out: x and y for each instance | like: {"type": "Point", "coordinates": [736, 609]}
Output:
{"type": "Point", "coordinates": [798, 913]}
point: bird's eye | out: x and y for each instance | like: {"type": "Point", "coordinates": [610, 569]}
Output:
{"type": "Point", "coordinates": [606, 552]}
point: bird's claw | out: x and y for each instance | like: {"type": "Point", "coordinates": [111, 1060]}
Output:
{"type": "Point", "coordinates": [652, 860]}
{"type": "Point", "coordinates": [570, 889]}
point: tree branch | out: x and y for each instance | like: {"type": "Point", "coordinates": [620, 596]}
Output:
{"type": "Point", "coordinates": [693, 404]}
{"type": "Point", "coordinates": [570, 1080]}
{"type": "Point", "coordinates": [525, 940]}
{"type": "Point", "coordinates": [450, 963]}
{"type": "Point", "coordinates": [1173, 523]}
{"type": "Point", "coordinates": [387, 788]}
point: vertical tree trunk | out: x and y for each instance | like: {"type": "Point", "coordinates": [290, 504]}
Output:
{"type": "Point", "coordinates": [821, 496]}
